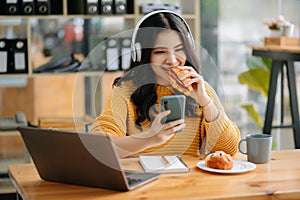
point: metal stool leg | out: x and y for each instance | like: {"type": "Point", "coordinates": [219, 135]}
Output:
{"type": "Point", "coordinates": [282, 95]}
{"type": "Point", "coordinates": [293, 102]}
{"type": "Point", "coordinates": [275, 69]}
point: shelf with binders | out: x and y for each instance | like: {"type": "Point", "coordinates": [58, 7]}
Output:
{"type": "Point", "coordinates": [66, 32]}
{"type": "Point", "coordinates": [100, 7]}
{"type": "Point", "coordinates": [52, 8]}
{"type": "Point", "coordinates": [26, 8]}
{"type": "Point", "coordinates": [83, 39]}
{"type": "Point", "coordinates": [57, 38]}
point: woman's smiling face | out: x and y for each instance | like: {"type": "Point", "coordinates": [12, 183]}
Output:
{"type": "Point", "coordinates": [168, 51]}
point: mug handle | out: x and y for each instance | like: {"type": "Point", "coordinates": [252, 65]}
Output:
{"type": "Point", "coordinates": [240, 142]}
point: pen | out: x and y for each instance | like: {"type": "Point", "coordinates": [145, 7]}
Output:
{"type": "Point", "coordinates": [166, 161]}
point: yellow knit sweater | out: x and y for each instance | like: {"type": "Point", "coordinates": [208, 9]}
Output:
{"type": "Point", "coordinates": [119, 115]}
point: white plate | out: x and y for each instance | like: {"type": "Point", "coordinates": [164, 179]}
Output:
{"type": "Point", "coordinates": [239, 166]}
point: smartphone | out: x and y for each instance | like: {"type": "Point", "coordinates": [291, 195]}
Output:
{"type": "Point", "coordinates": [175, 103]}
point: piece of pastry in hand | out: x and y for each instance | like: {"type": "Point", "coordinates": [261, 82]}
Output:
{"type": "Point", "coordinates": [174, 78]}
{"type": "Point", "coordinates": [219, 160]}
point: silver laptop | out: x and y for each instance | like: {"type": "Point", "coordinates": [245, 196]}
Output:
{"type": "Point", "coordinates": [80, 158]}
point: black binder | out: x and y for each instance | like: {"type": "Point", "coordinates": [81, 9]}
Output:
{"type": "Point", "coordinates": [4, 48]}
{"type": "Point", "coordinates": [76, 7]}
{"type": "Point", "coordinates": [112, 54]}
{"type": "Point", "coordinates": [120, 6]}
{"type": "Point", "coordinates": [27, 7]}
{"type": "Point", "coordinates": [13, 56]}
{"type": "Point", "coordinates": [130, 6]}
{"type": "Point", "coordinates": [96, 59]}
{"type": "Point", "coordinates": [91, 7]}
{"type": "Point", "coordinates": [125, 53]}
{"type": "Point", "coordinates": [12, 7]}
{"type": "Point", "coordinates": [42, 7]}
{"type": "Point", "coordinates": [18, 50]}
{"type": "Point", "coordinates": [106, 7]}
{"type": "Point", "coordinates": [56, 7]}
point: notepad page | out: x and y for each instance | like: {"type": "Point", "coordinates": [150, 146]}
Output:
{"type": "Point", "coordinates": [175, 162]}
{"type": "Point", "coordinates": [163, 164]}
{"type": "Point", "coordinates": [153, 162]}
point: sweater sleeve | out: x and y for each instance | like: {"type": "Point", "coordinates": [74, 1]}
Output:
{"type": "Point", "coordinates": [221, 134]}
{"type": "Point", "coordinates": [112, 120]}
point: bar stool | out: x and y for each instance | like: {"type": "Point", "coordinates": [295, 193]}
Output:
{"type": "Point", "coordinates": [281, 57]}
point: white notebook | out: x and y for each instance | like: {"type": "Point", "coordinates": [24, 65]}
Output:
{"type": "Point", "coordinates": [163, 164]}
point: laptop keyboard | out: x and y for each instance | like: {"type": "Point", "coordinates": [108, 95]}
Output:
{"type": "Point", "coordinates": [132, 181]}
{"type": "Point", "coordinates": [135, 179]}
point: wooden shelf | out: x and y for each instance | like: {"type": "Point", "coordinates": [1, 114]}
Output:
{"type": "Point", "coordinates": [190, 11]}
{"type": "Point", "coordinates": [125, 16]}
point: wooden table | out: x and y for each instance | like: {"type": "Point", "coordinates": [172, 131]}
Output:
{"type": "Point", "coordinates": [279, 179]}
{"type": "Point", "coordinates": [282, 56]}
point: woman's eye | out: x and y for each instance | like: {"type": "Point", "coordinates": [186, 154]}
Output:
{"type": "Point", "coordinates": [181, 49]}
{"type": "Point", "coordinates": [159, 52]}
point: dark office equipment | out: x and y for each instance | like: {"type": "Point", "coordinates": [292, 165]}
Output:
{"type": "Point", "coordinates": [13, 122]}
{"type": "Point", "coordinates": [63, 63]}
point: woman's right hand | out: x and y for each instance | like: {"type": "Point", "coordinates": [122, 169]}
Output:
{"type": "Point", "coordinates": [160, 133]}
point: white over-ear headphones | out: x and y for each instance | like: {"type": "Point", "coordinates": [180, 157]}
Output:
{"type": "Point", "coordinates": [136, 48]}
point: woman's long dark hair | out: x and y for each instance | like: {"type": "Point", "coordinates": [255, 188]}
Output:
{"type": "Point", "coordinates": [141, 73]}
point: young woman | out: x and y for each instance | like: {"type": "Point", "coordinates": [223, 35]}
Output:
{"type": "Point", "coordinates": [131, 116]}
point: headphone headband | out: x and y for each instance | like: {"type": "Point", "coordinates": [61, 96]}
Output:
{"type": "Point", "coordinates": [136, 47]}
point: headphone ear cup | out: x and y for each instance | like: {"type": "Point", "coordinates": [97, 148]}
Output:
{"type": "Point", "coordinates": [133, 52]}
{"type": "Point", "coordinates": [138, 50]}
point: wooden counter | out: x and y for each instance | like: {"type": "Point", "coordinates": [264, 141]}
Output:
{"type": "Point", "coordinates": [287, 49]}
{"type": "Point", "coordinates": [279, 179]}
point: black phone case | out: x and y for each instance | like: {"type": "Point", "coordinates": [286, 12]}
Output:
{"type": "Point", "coordinates": [175, 103]}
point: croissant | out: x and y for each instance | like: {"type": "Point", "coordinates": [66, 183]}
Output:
{"type": "Point", "coordinates": [219, 160]}
{"type": "Point", "coordinates": [174, 79]}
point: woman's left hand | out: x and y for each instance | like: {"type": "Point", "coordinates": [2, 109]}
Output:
{"type": "Point", "coordinates": [198, 84]}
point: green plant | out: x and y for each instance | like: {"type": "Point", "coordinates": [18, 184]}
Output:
{"type": "Point", "coordinates": [256, 78]}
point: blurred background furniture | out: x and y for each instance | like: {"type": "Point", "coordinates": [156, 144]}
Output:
{"type": "Point", "coordinates": [282, 57]}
